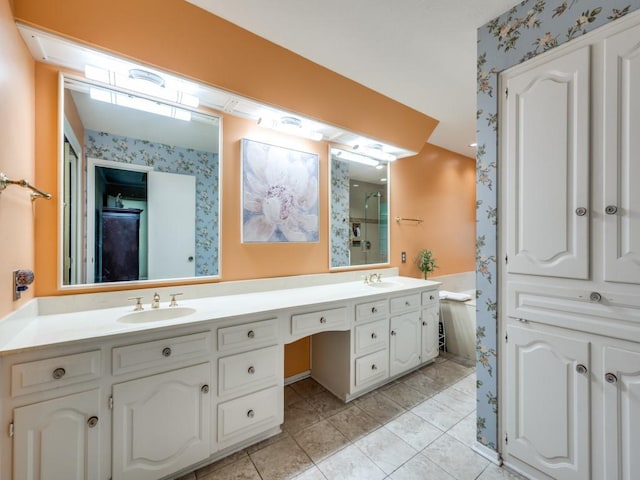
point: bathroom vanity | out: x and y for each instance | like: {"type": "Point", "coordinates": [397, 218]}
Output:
{"type": "Point", "coordinates": [108, 392]}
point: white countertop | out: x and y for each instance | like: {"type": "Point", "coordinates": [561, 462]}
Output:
{"type": "Point", "coordinates": [35, 326]}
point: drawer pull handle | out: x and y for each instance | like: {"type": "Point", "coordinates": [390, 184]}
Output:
{"type": "Point", "coordinates": [430, 297]}
{"type": "Point", "coordinates": [424, 324]}
{"type": "Point", "coordinates": [251, 334]}
{"type": "Point", "coordinates": [595, 297]}
{"type": "Point", "coordinates": [374, 310]}
{"type": "Point", "coordinates": [374, 336]}
{"type": "Point", "coordinates": [251, 370]}
{"type": "Point", "coordinates": [204, 388]}
{"type": "Point", "coordinates": [374, 367]}
{"type": "Point", "coordinates": [393, 332]}
{"type": "Point", "coordinates": [611, 378]}
{"type": "Point", "coordinates": [611, 210]}
{"type": "Point", "coordinates": [581, 369]}
{"type": "Point", "coordinates": [58, 373]}
{"type": "Point", "coordinates": [407, 303]}
{"type": "Point", "coordinates": [92, 421]}
{"type": "Point", "coordinates": [251, 414]}
{"type": "Point", "coordinates": [166, 352]}
{"type": "Point", "coordinates": [323, 320]}
{"type": "Point", "coordinates": [581, 211]}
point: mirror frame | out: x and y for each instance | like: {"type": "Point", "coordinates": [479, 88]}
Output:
{"type": "Point", "coordinates": [63, 130]}
{"type": "Point", "coordinates": [330, 217]}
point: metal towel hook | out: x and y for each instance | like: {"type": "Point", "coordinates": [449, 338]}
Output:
{"type": "Point", "coordinates": [35, 192]}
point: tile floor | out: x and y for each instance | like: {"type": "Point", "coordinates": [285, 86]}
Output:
{"type": "Point", "coordinates": [419, 427]}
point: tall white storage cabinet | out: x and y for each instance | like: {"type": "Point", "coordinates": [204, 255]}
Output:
{"type": "Point", "coordinates": [570, 251]}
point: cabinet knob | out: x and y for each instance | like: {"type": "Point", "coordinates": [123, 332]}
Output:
{"type": "Point", "coordinates": [374, 367]}
{"type": "Point", "coordinates": [251, 414]}
{"type": "Point", "coordinates": [610, 378]}
{"type": "Point", "coordinates": [251, 370]}
{"type": "Point", "coordinates": [374, 336]}
{"type": "Point", "coordinates": [92, 421]}
{"type": "Point", "coordinates": [581, 211]}
{"type": "Point", "coordinates": [58, 373]}
{"type": "Point", "coordinates": [424, 324]}
{"type": "Point", "coordinates": [430, 297]}
{"type": "Point", "coordinates": [595, 297]}
{"type": "Point", "coordinates": [204, 388]}
{"type": "Point", "coordinates": [407, 303]}
{"type": "Point", "coordinates": [251, 334]}
{"type": "Point", "coordinates": [374, 310]}
{"type": "Point", "coordinates": [611, 210]}
{"type": "Point", "coordinates": [323, 320]}
{"type": "Point", "coordinates": [393, 332]}
{"type": "Point", "coordinates": [166, 352]}
{"type": "Point", "coordinates": [581, 369]}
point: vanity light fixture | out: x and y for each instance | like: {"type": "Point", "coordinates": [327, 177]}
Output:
{"type": "Point", "coordinates": [139, 103]}
{"type": "Point", "coordinates": [291, 125]}
{"type": "Point", "coordinates": [354, 157]}
{"type": "Point", "coordinates": [147, 76]}
{"type": "Point", "coordinates": [473, 145]}
{"type": "Point", "coordinates": [376, 151]}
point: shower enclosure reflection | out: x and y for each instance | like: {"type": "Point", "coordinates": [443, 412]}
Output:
{"type": "Point", "coordinates": [359, 211]}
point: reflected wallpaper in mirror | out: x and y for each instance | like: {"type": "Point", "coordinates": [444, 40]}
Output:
{"type": "Point", "coordinates": [141, 188]}
{"type": "Point", "coordinates": [359, 219]}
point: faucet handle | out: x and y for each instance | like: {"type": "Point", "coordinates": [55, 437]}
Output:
{"type": "Point", "coordinates": [138, 306]}
{"type": "Point", "coordinates": [173, 296]}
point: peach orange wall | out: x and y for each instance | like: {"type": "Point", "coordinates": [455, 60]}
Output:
{"type": "Point", "coordinates": [176, 36]}
{"type": "Point", "coordinates": [437, 186]}
{"type": "Point", "coordinates": [17, 214]}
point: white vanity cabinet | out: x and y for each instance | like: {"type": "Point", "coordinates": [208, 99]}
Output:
{"type": "Point", "coordinates": [430, 319]}
{"type": "Point", "coordinates": [404, 333]}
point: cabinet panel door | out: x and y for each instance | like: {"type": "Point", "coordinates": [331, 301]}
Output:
{"type": "Point", "coordinates": [430, 318]}
{"type": "Point", "coordinates": [404, 343]}
{"type": "Point", "coordinates": [546, 154]}
{"type": "Point", "coordinates": [161, 423]}
{"type": "Point", "coordinates": [548, 403]}
{"type": "Point", "coordinates": [621, 413]}
{"type": "Point", "coordinates": [53, 439]}
{"type": "Point", "coordinates": [621, 171]}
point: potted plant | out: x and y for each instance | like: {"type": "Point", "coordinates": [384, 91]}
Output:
{"type": "Point", "coordinates": [426, 262]}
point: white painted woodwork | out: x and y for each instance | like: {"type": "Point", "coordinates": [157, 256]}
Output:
{"type": "Point", "coordinates": [162, 423]}
{"type": "Point", "coordinates": [371, 336]}
{"type": "Point", "coordinates": [404, 342]}
{"type": "Point", "coordinates": [371, 368]}
{"type": "Point", "coordinates": [171, 200]}
{"type": "Point", "coordinates": [429, 329]}
{"type": "Point", "coordinates": [372, 310]}
{"type": "Point", "coordinates": [404, 303]}
{"type": "Point", "coordinates": [621, 440]}
{"type": "Point", "coordinates": [53, 440]}
{"type": "Point", "coordinates": [546, 152]}
{"type": "Point", "coordinates": [312, 322]}
{"type": "Point", "coordinates": [621, 166]}
{"type": "Point", "coordinates": [548, 402]}
{"type": "Point", "coordinates": [248, 335]}
{"type": "Point", "coordinates": [247, 372]}
{"type": "Point", "coordinates": [430, 298]}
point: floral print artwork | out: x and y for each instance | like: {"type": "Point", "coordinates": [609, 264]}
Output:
{"type": "Point", "coordinates": [339, 223]}
{"type": "Point", "coordinates": [530, 28]}
{"type": "Point", "coordinates": [279, 194]}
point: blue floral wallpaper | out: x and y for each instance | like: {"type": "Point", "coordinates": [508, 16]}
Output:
{"type": "Point", "coordinates": [339, 220]}
{"type": "Point", "coordinates": [530, 28]}
{"type": "Point", "coordinates": [171, 159]}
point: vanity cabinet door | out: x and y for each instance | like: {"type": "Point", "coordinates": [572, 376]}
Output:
{"type": "Point", "coordinates": [161, 423]}
{"type": "Point", "coordinates": [404, 343]}
{"type": "Point", "coordinates": [429, 324]}
{"type": "Point", "coordinates": [58, 439]}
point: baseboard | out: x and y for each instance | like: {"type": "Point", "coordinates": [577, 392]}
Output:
{"type": "Point", "coordinates": [297, 377]}
{"type": "Point", "coordinates": [488, 453]}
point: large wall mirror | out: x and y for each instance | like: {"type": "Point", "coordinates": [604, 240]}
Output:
{"type": "Point", "coordinates": [359, 217]}
{"type": "Point", "coordinates": [141, 180]}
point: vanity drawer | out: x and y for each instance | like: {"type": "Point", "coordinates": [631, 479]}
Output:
{"type": "Point", "coordinates": [250, 371]}
{"type": "Point", "coordinates": [371, 336]}
{"type": "Point", "coordinates": [404, 303]}
{"type": "Point", "coordinates": [248, 335]}
{"type": "Point", "coordinates": [430, 298]}
{"type": "Point", "coordinates": [55, 372]}
{"type": "Point", "coordinates": [309, 323]}
{"type": "Point", "coordinates": [372, 368]}
{"type": "Point", "coordinates": [158, 353]}
{"type": "Point", "coordinates": [250, 415]}
{"type": "Point", "coordinates": [371, 310]}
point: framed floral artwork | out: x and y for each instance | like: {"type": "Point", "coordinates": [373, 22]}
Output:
{"type": "Point", "coordinates": [279, 194]}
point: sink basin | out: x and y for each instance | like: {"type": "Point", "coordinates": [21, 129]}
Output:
{"type": "Point", "coordinates": [157, 315]}
{"type": "Point", "coordinates": [384, 284]}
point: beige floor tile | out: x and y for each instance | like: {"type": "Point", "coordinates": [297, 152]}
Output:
{"type": "Point", "coordinates": [188, 476]}
{"type": "Point", "coordinates": [313, 473]}
{"type": "Point", "coordinates": [467, 385]}
{"type": "Point", "coordinates": [465, 430]}
{"type": "Point", "coordinates": [455, 458]}
{"type": "Point", "coordinates": [234, 457]}
{"type": "Point", "coordinates": [456, 400]}
{"type": "Point", "coordinates": [291, 396]}
{"type": "Point", "coordinates": [380, 407]}
{"type": "Point", "coordinates": [307, 387]}
{"type": "Point", "coordinates": [414, 430]}
{"type": "Point", "coordinates": [350, 464]}
{"type": "Point", "coordinates": [404, 395]}
{"type": "Point", "coordinates": [438, 414]}
{"type": "Point", "coordinates": [387, 450]}
{"type": "Point", "coordinates": [493, 472]}
{"type": "Point", "coordinates": [447, 372]}
{"type": "Point", "coordinates": [260, 445]}
{"type": "Point", "coordinates": [424, 384]}
{"type": "Point", "coordinates": [242, 469]}
{"type": "Point", "coordinates": [299, 416]}
{"type": "Point", "coordinates": [281, 460]}
{"type": "Point", "coordinates": [326, 404]}
{"type": "Point", "coordinates": [353, 422]}
{"type": "Point", "coordinates": [320, 440]}
{"type": "Point", "coordinates": [420, 468]}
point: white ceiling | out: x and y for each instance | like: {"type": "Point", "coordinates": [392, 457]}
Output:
{"type": "Point", "coordinates": [421, 53]}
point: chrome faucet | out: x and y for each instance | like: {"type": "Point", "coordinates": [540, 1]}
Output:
{"type": "Point", "coordinates": [370, 278]}
{"type": "Point", "coordinates": [156, 301]}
